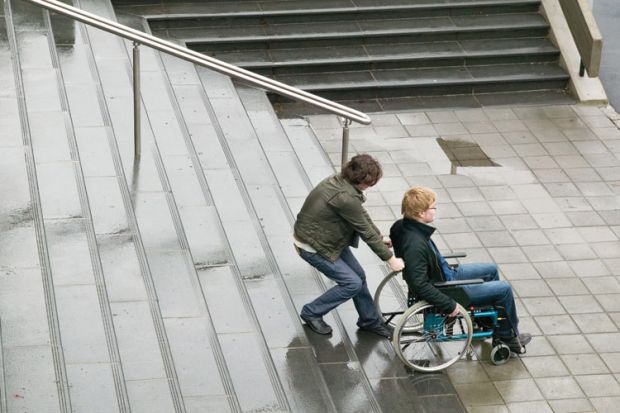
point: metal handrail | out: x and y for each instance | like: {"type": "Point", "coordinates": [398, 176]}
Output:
{"type": "Point", "coordinates": [184, 53]}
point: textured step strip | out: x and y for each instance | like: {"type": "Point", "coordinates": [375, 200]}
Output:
{"type": "Point", "coordinates": [213, 159]}
{"type": "Point", "coordinates": [177, 217]}
{"type": "Point", "coordinates": [213, 339]}
{"type": "Point", "coordinates": [62, 384]}
{"type": "Point", "coordinates": [267, 358]}
{"type": "Point", "coordinates": [100, 284]}
{"type": "Point", "coordinates": [250, 97]}
{"type": "Point", "coordinates": [154, 308]}
{"type": "Point", "coordinates": [256, 173]}
{"type": "Point", "coordinates": [246, 298]}
{"type": "Point", "coordinates": [241, 285]}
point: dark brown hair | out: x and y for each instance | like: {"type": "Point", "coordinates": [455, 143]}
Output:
{"type": "Point", "coordinates": [362, 169]}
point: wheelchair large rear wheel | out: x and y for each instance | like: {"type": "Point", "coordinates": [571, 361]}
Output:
{"type": "Point", "coordinates": [391, 298]}
{"type": "Point", "coordinates": [436, 344]}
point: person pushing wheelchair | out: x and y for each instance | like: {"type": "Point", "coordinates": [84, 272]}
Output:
{"type": "Point", "coordinates": [331, 220]}
{"type": "Point", "coordinates": [424, 265]}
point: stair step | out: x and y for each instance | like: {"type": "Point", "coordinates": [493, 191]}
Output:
{"type": "Point", "coordinates": [384, 56]}
{"type": "Point", "coordinates": [533, 97]}
{"type": "Point", "coordinates": [380, 31]}
{"type": "Point", "coordinates": [172, 16]}
{"type": "Point", "coordinates": [358, 49]}
{"type": "Point", "coordinates": [429, 81]}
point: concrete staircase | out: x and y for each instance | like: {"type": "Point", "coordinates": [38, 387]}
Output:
{"type": "Point", "coordinates": [168, 284]}
{"type": "Point", "coordinates": [373, 51]}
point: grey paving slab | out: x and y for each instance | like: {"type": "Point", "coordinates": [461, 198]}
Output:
{"type": "Point", "coordinates": [24, 320]}
{"type": "Point", "coordinates": [93, 147]}
{"type": "Point", "coordinates": [277, 323]}
{"type": "Point", "coordinates": [58, 190]}
{"type": "Point", "coordinates": [174, 274]}
{"type": "Point", "coordinates": [16, 208]}
{"type": "Point", "coordinates": [83, 105]}
{"type": "Point", "coordinates": [150, 395]}
{"type": "Point", "coordinates": [139, 352]}
{"type": "Point", "coordinates": [189, 340]}
{"type": "Point", "coordinates": [49, 136]}
{"type": "Point", "coordinates": [206, 250]}
{"type": "Point", "coordinates": [106, 205]}
{"type": "Point", "coordinates": [10, 132]}
{"type": "Point", "coordinates": [340, 378]}
{"type": "Point", "coordinates": [225, 303]}
{"type": "Point", "coordinates": [121, 268]}
{"type": "Point", "coordinates": [69, 252]}
{"type": "Point", "coordinates": [247, 249]}
{"type": "Point", "coordinates": [93, 387]}
{"type": "Point", "coordinates": [84, 339]}
{"type": "Point", "coordinates": [30, 379]}
{"type": "Point", "coordinates": [156, 226]}
{"type": "Point", "coordinates": [269, 203]}
{"type": "Point", "coordinates": [252, 386]}
{"type": "Point", "coordinates": [207, 404]}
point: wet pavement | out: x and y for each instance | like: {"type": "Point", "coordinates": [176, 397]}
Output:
{"type": "Point", "coordinates": [545, 210]}
{"type": "Point", "coordinates": [171, 284]}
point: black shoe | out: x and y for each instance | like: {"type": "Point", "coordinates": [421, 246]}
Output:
{"type": "Point", "coordinates": [517, 344]}
{"type": "Point", "coordinates": [379, 329]}
{"type": "Point", "coordinates": [318, 325]}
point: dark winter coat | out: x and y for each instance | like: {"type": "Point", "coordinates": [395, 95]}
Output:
{"type": "Point", "coordinates": [411, 240]}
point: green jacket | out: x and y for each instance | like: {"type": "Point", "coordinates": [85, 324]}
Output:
{"type": "Point", "coordinates": [411, 240]}
{"type": "Point", "coordinates": [333, 215]}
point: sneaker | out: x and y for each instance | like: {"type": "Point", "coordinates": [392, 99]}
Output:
{"type": "Point", "coordinates": [517, 344]}
{"type": "Point", "coordinates": [318, 325]}
{"type": "Point", "coordinates": [378, 329]}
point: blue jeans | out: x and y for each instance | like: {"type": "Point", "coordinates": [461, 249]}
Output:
{"type": "Point", "coordinates": [350, 280]}
{"type": "Point", "coordinates": [491, 292]}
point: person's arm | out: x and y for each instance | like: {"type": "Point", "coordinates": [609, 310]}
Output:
{"type": "Point", "coordinates": [351, 210]}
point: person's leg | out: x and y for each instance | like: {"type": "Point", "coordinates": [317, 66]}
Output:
{"type": "Point", "coordinates": [497, 293]}
{"type": "Point", "coordinates": [486, 271]}
{"type": "Point", "coordinates": [348, 284]}
{"type": "Point", "coordinates": [364, 304]}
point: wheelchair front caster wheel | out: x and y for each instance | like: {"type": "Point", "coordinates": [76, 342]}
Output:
{"type": "Point", "coordinates": [500, 354]}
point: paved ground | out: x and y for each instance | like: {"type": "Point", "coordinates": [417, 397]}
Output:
{"type": "Point", "coordinates": [170, 285]}
{"type": "Point", "coordinates": [548, 214]}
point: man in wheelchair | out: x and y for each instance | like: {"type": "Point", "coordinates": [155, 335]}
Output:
{"type": "Point", "coordinates": [424, 266]}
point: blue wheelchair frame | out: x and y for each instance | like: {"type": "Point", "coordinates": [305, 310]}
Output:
{"type": "Point", "coordinates": [433, 322]}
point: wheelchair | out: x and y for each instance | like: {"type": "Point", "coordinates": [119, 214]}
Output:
{"type": "Point", "coordinates": [425, 339]}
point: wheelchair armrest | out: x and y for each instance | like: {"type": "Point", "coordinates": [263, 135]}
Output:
{"type": "Point", "coordinates": [455, 255]}
{"type": "Point", "coordinates": [457, 283]}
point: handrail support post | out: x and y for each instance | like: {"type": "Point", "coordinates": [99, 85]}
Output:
{"type": "Point", "coordinates": [345, 143]}
{"type": "Point", "coordinates": [582, 68]}
{"type": "Point", "coordinates": [137, 138]}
